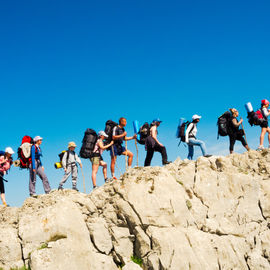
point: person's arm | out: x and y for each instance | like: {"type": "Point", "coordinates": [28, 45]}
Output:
{"type": "Point", "coordinates": [64, 161]}
{"type": "Point", "coordinates": [33, 155]}
{"type": "Point", "coordinates": [153, 134]}
{"type": "Point", "coordinates": [103, 147]}
{"type": "Point", "coordinates": [189, 128]}
{"type": "Point", "coordinates": [266, 112]}
{"type": "Point", "coordinates": [236, 123]}
{"type": "Point", "coordinates": [117, 137]}
{"type": "Point", "coordinates": [78, 160]}
{"type": "Point", "coordinates": [131, 138]}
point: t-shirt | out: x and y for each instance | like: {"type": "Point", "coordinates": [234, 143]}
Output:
{"type": "Point", "coordinates": [116, 132]}
{"type": "Point", "coordinates": [97, 149]}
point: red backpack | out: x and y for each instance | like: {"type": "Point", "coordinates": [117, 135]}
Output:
{"type": "Point", "coordinates": [24, 152]}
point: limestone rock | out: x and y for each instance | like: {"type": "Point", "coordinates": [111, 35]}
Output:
{"type": "Point", "coordinates": [212, 213]}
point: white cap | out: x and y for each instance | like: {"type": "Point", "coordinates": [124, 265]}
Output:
{"type": "Point", "coordinates": [102, 133]}
{"type": "Point", "coordinates": [196, 116]}
{"type": "Point", "coordinates": [9, 150]}
{"type": "Point", "coordinates": [37, 138]}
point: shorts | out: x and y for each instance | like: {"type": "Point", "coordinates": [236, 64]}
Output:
{"type": "Point", "coordinates": [117, 150]}
{"type": "Point", "coordinates": [95, 159]}
{"type": "Point", "coordinates": [264, 124]}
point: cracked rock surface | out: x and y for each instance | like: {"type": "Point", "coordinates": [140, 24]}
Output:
{"type": "Point", "coordinates": [213, 213]}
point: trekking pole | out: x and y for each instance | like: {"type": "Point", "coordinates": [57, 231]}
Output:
{"type": "Point", "coordinates": [84, 189]}
{"type": "Point", "coordinates": [137, 152]}
{"type": "Point", "coordinates": [126, 156]}
{"type": "Point", "coordinates": [115, 161]}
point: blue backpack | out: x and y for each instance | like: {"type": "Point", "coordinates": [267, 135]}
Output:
{"type": "Point", "coordinates": [2, 153]}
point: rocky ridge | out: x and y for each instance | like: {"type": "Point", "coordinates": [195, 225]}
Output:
{"type": "Point", "coordinates": [207, 214]}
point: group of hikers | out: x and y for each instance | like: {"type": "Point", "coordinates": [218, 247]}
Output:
{"type": "Point", "coordinates": [113, 138]}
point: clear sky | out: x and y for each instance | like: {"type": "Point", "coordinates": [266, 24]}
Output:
{"type": "Point", "coordinates": [70, 65]}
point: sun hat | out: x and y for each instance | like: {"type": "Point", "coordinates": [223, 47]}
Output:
{"type": "Point", "coordinates": [9, 150]}
{"type": "Point", "coordinates": [72, 144]}
{"type": "Point", "coordinates": [102, 133]}
{"type": "Point", "coordinates": [37, 138]}
{"type": "Point", "coordinates": [196, 116]}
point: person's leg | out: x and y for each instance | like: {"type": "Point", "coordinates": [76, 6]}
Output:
{"type": "Point", "coordinates": [163, 152]}
{"type": "Point", "coordinates": [32, 180]}
{"type": "Point", "coordinates": [190, 151]}
{"type": "Point", "coordinates": [149, 156]}
{"type": "Point", "coordinates": [130, 157]}
{"type": "Point", "coordinates": [264, 130]}
{"type": "Point", "coordinates": [65, 177]}
{"type": "Point", "coordinates": [43, 177]}
{"type": "Point", "coordinates": [232, 143]}
{"type": "Point", "coordinates": [104, 170]}
{"type": "Point", "coordinates": [94, 173]}
{"type": "Point", "coordinates": [2, 190]}
{"type": "Point", "coordinates": [74, 170]}
{"type": "Point", "coordinates": [243, 141]}
{"type": "Point", "coordinates": [113, 160]}
{"type": "Point", "coordinates": [199, 143]}
{"type": "Point", "coordinates": [268, 131]}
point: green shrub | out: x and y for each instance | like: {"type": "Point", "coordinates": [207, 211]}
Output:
{"type": "Point", "coordinates": [137, 260]}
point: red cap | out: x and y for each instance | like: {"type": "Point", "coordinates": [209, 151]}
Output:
{"type": "Point", "coordinates": [265, 102]}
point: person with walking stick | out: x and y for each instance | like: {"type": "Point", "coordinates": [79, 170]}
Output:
{"type": "Point", "coordinates": [236, 134]}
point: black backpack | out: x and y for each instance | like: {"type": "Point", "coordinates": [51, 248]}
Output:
{"type": "Point", "coordinates": [143, 133]}
{"type": "Point", "coordinates": [255, 118]}
{"type": "Point", "coordinates": [181, 132]}
{"type": "Point", "coordinates": [109, 126]}
{"type": "Point", "coordinates": [223, 124]}
{"type": "Point", "coordinates": [88, 143]}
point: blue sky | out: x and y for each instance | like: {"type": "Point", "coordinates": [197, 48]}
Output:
{"type": "Point", "coordinates": [70, 65]}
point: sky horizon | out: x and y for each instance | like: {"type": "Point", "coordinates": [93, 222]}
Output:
{"type": "Point", "coordinates": [67, 66]}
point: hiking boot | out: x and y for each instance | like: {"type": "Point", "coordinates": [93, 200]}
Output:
{"type": "Point", "coordinates": [166, 162]}
{"type": "Point", "coordinates": [207, 156]}
{"type": "Point", "coordinates": [60, 188]}
{"type": "Point", "coordinates": [75, 188]}
{"type": "Point", "coordinates": [95, 187]}
{"type": "Point", "coordinates": [260, 147]}
{"type": "Point", "coordinates": [107, 180]}
{"type": "Point", "coordinates": [33, 195]}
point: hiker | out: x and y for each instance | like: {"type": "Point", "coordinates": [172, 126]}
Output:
{"type": "Point", "coordinates": [97, 159]}
{"type": "Point", "coordinates": [118, 136]}
{"type": "Point", "coordinates": [191, 140]}
{"type": "Point", "coordinates": [264, 125]}
{"type": "Point", "coordinates": [236, 134]}
{"type": "Point", "coordinates": [69, 163]}
{"type": "Point", "coordinates": [36, 168]}
{"type": "Point", "coordinates": [5, 164]}
{"type": "Point", "coordinates": [152, 144]}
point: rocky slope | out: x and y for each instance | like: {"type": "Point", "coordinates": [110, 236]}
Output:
{"type": "Point", "coordinates": [206, 214]}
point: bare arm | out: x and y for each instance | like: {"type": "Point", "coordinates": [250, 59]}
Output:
{"type": "Point", "coordinates": [103, 147]}
{"type": "Point", "coordinates": [153, 133]}
{"type": "Point", "coordinates": [236, 123]}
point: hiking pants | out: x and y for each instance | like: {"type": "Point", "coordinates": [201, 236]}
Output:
{"type": "Point", "coordinates": [33, 177]}
{"type": "Point", "coordinates": [236, 137]}
{"type": "Point", "coordinates": [194, 142]}
{"type": "Point", "coordinates": [150, 153]}
{"type": "Point", "coordinates": [71, 169]}
{"type": "Point", "coordinates": [2, 186]}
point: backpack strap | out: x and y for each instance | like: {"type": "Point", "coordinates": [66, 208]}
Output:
{"type": "Point", "coordinates": [67, 158]}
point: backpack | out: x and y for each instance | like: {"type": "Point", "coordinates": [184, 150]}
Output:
{"type": "Point", "coordinates": [143, 133]}
{"type": "Point", "coordinates": [59, 165]}
{"type": "Point", "coordinates": [181, 132]}
{"type": "Point", "coordinates": [88, 143]}
{"type": "Point", "coordinates": [255, 118]}
{"type": "Point", "coordinates": [24, 152]}
{"type": "Point", "coordinates": [109, 126]}
{"type": "Point", "coordinates": [223, 124]}
{"type": "Point", "coordinates": [2, 153]}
